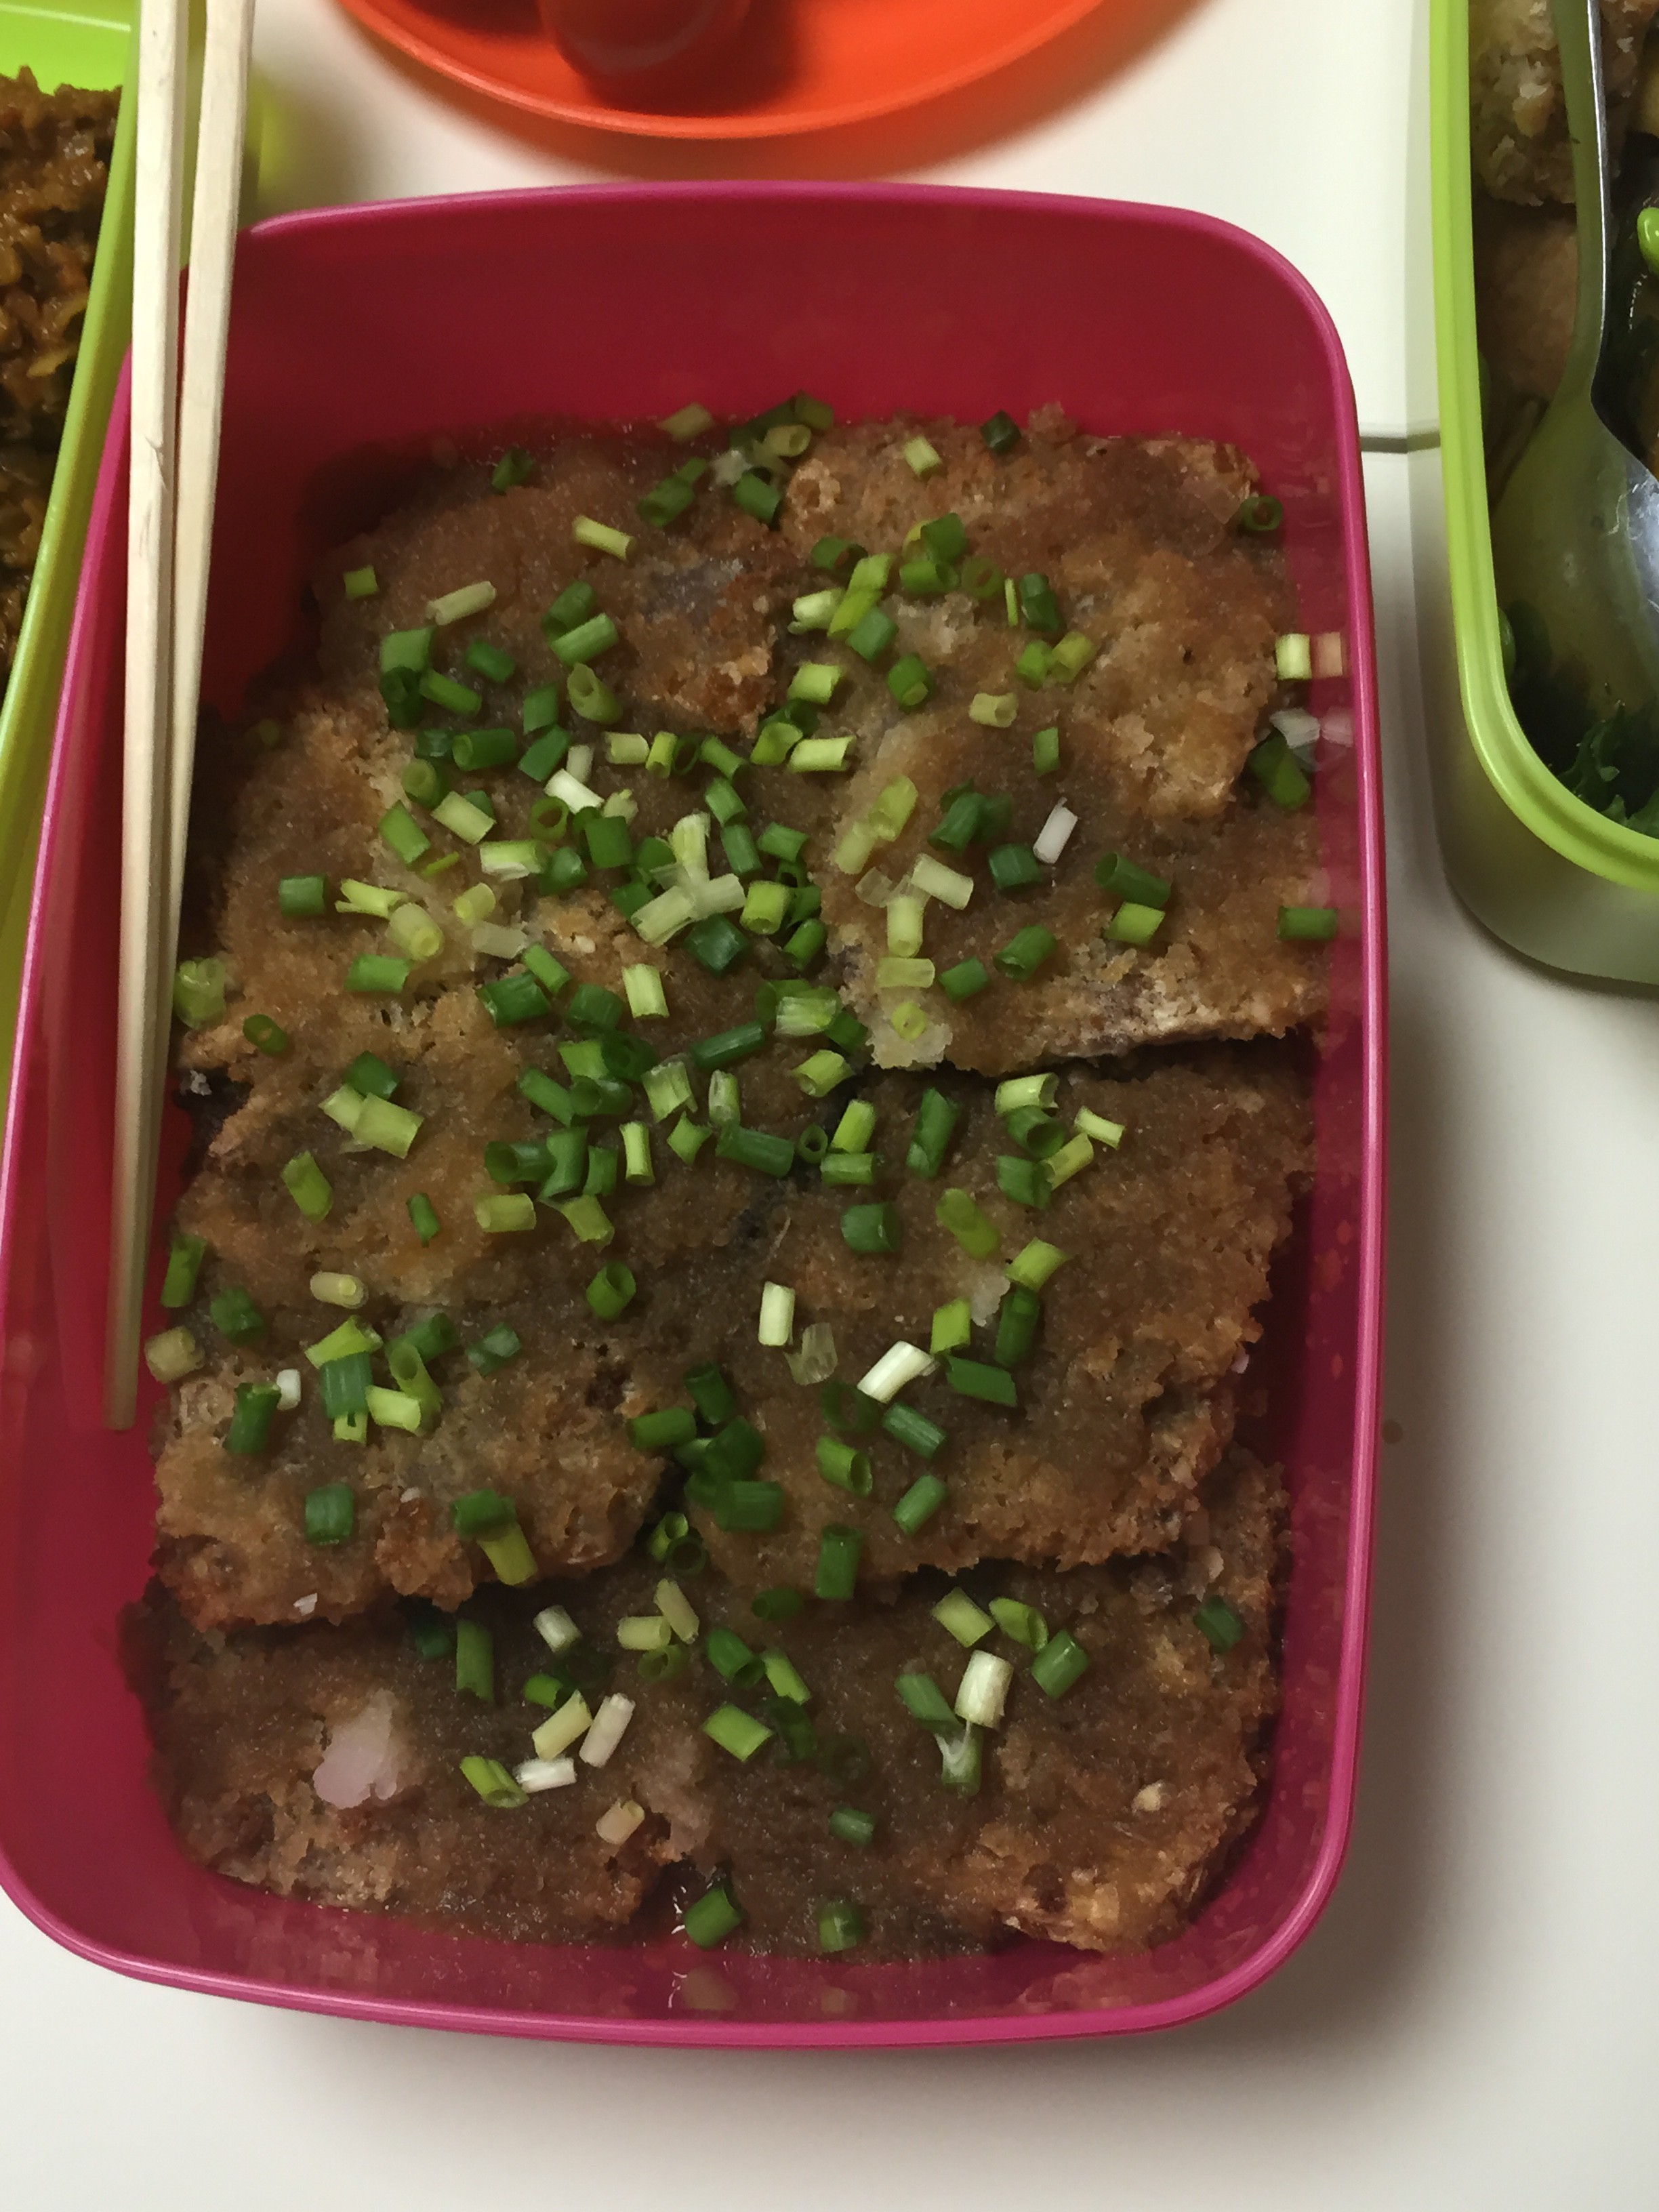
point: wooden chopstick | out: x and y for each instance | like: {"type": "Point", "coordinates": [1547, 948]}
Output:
{"type": "Point", "coordinates": [174, 470]}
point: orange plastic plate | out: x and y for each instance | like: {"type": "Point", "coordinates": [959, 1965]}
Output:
{"type": "Point", "coordinates": [801, 65]}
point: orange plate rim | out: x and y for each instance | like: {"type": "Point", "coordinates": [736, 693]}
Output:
{"type": "Point", "coordinates": [987, 46]}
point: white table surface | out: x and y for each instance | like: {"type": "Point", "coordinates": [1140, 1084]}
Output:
{"type": "Point", "coordinates": [1473, 2023]}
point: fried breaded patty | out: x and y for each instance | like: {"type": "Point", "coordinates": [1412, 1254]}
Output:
{"type": "Point", "coordinates": [323, 1762]}
{"type": "Point", "coordinates": [1519, 116]}
{"type": "Point", "coordinates": [1125, 1402]}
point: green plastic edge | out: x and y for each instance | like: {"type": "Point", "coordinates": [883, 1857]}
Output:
{"type": "Point", "coordinates": [86, 46]}
{"type": "Point", "coordinates": [1532, 794]}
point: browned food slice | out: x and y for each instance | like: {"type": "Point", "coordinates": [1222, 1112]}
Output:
{"type": "Point", "coordinates": [1102, 1816]}
{"type": "Point", "coordinates": [1215, 968]}
{"type": "Point", "coordinates": [1125, 1402]}
{"type": "Point", "coordinates": [546, 1431]}
{"type": "Point", "coordinates": [1137, 539]}
{"type": "Point", "coordinates": [325, 1764]}
{"type": "Point", "coordinates": [1519, 116]}
{"type": "Point", "coordinates": [697, 604]}
{"type": "Point", "coordinates": [1526, 276]}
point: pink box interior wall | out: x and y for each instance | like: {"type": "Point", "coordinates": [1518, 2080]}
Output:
{"type": "Point", "coordinates": [447, 315]}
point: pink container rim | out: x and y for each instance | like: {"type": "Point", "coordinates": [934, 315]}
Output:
{"type": "Point", "coordinates": [105, 551]}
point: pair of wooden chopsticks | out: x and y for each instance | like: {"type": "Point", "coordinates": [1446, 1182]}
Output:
{"type": "Point", "coordinates": [175, 472]}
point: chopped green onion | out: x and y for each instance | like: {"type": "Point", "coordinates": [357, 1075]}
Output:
{"type": "Point", "coordinates": [586, 1218]}
{"type": "Point", "coordinates": [914, 1430]}
{"type": "Point", "coordinates": [664, 1430]}
{"type": "Point", "coordinates": [1293, 658]}
{"type": "Point", "coordinates": [330, 1514]}
{"type": "Point", "coordinates": [1039, 604]}
{"type": "Point", "coordinates": [712, 1918]}
{"type": "Point", "coordinates": [919, 1503]}
{"type": "Point", "coordinates": [498, 1214]}
{"type": "Point", "coordinates": [494, 1349]}
{"type": "Point", "coordinates": [958, 1212]}
{"type": "Point", "coordinates": [198, 992]}
{"type": "Point", "coordinates": [265, 1035]}
{"type": "Point", "coordinates": [873, 1228]}
{"type": "Point", "coordinates": [308, 1186]}
{"type": "Point", "coordinates": [936, 1123]}
{"type": "Point", "coordinates": [1025, 952]}
{"type": "Point", "coordinates": [840, 1923]}
{"type": "Point", "coordinates": [1280, 773]}
{"type": "Point", "coordinates": [935, 880]}
{"type": "Point", "coordinates": [957, 1613]}
{"type": "Point", "coordinates": [1023, 1622]}
{"type": "Point", "coordinates": [1025, 1180]}
{"type": "Point", "coordinates": [901, 1364]}
{"type": "Point", "coordinates": [586, 641]}
{"type": "Point", "coordinates": [1220, 1625]}
{"type": "Point", "coordinates": [1045, 751]}
{"type": "Point", "coordinates": [1071, 1159]}
{"type": "Point", "coordinates": [983, 1690]}
{"type": "Point", "coordinates": [804, 946]}
{"type": "Point", "coordinates": [510, 1000]}
{"type": "Point", "coordinates": [818, 1074]}
{"type": "Point", "coordinates": [171, 1355]}
{"type": "Point", "coordinates": [493, 1783]}
{"type": "Point", "coordinates": [820, 755]}
{"type": "Point", "coordinates": [1001, 432]}
{"type": "Point", "coordinates": [250, 1423]}
{"type": "Point", "coordinates": [1313, 925]}
{"type": "Point", "coordinates": [612, 1291]}
{"type": "Point", "coordinates": [742, 1735]}
{"type": "Point", "coordinates": [1014, 867]}
{"type": "Point", "coordinates": [1017, 1317]}
{"type": "Point", "coordinates": [351, 1338]}
{"type": "Point", "coordinates": [910, 681]}
{"type": "Point", "coordinates": [952, 1327]}
{"type": "Point", "coordinates": [687, 1139]}
{"type": "Point", "coordinates": [1059, 1663]}
{"type": "Point", "coordinates": [838, 1562]}
{"type": "Point", "coordinates": [855, 1128]}
{"type": "Point", "coordinates": [960, 1761]}
{"type": "Point", "coordinates": [1135, 924]}
{"type": "Point", "coordinates": [1258, 515]}
{"type": "Point", "coordinates": [360, 584]}
{"type": "Point", "coordinates": [839, 1463]}
{"type": "Point", "coordinates": [298, 895]}
{"type": "Point", "coordinates": [754, 1148]}
{"type": "Point", "coordinates": [184, 1257]}
{"type": "Point", "coordinates": [992, 1386]}
{"type": "Point", "coordinates": [1033, 665]}
{"type": "Point", "coordinates": [395, 1409]}
{"type": "Point", "coordinates": [962, 982]}
{"type": "Point", "coordinates": [922, 457]}
{"type": "Point", "coordinates": [923, 1699]}
{"type": "Point", "coordinates": [328, 1288]}
{"type": "Point", "coordinates": [564, 1726]}
{"type": "Point", "coordinates": [850, 1826]}
{"type": "Point", "coordinates": [993, 710]}
{"type": "Point", "coordinates": [777, 1314]}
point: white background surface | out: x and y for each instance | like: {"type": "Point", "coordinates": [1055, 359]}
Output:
{"type": "Point", "coordinates": [1473, 2023]}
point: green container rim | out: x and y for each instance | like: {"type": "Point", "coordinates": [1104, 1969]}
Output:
{"type": "Point", "coordinates": [87, 43]}
{"type": "Point", "coordinates": [1537, 798]}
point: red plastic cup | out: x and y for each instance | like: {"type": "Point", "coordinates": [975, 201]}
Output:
{"type": "Point", "coordinates": [645, 47]}
{"type": "Point", "coordinates": [1141, 321]}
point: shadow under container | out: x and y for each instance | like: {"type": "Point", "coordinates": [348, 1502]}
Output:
{"type": "Point", "coordinates": [881, 298]}
{"type": "Point", "coordinates": [1540, 868]}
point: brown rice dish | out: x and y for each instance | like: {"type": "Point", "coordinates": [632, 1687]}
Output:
{"type": "Point", "coordinates": [698, 1390]}
{"type": "Point", "coordinates": [54, 166]}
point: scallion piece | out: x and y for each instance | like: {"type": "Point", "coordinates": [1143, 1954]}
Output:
{"type": "Point", "coordinates": [804, 946]}
{"type": "Point", "coordinates": [494, 1349]}
{"type": "Point", "coordinates": [964, 980]}
{"type": "Point", "coordinates": [1071, 1159]}
{"type": "Point", "coordinates": [754, 1148]}
{"type": "Point", "coordinates": [742, 1735]}
{"type": "Point", "coordinates": [511, 999]}
{"type": "Point", "coordinates": [971, 1378]}
{"type": "Point", "coordinates": [1033, 666]}
{"type": "Point", "coordinates": [900, 1365]}
{"type": "Point", "coordinates": [919, 1503]}
{"type": "Point", "coordinates": [874, 1227]}
{"type": "Point", "coordinates": [250, 1423]}
{"type": "Point", "coordinates": [820, 755]}
{"type": "Point", "coordinates": [184, 1257]}
{"type": "Point", "coordinates": [1023, 1622]}
{"type": "Point", "coordinates": [1311, 925]}
{"type": "Point", "coordinates": [612, 1291]}
{"type": "Point", "coordinates": [1220, 1625]}
{"type": "Point", "coordinates": [1280, 773]}
{"type": "Point", "coordinates": [330, 1514]}
{"type": "Point", "coordinates": [848, 1825]}
{"type": "Point", "coordinates": [1025, 1180]}
{"type": "Point", "coordinates": [1134, 925]}
{"type": "Point", "coordinates": [716, 1913]}
{"type": "Point", "coordinates": [923, 1699]}
{"type": "Point", "coordinates": [172, 1354]}
{"type": "Point", "coordinates": [1001, 432]}
{"type": "Point", "coordinates": [994, 710]}
{"type": "Point", "coordinates": [1059, 1663]}
{"type": "Point", "coordinates": [958, 1212]}
{"type": "Point", "coordinates": [504, 1213]}
{"type": "Point", "coordinates": [301, 895]}
{"type": "Point", "coordinates": [846, 1469]}
{"type": "Point", "coordinates": [777, 1314]}
{"type": "Point", "coordinates": [914, 1430]}
{"type": "Point", "coordinates": [308, 1186]}
{"type": "Point", "coordinates": [936, 1122]}
{"type": "Point", "coordinates": [687, 1139]}
{"type": "Point", "coordinates": [836, 1578]}
{"type": "Point", "coordinates": [1025, 952]}
{"type": "Point", "coordinates": [1017, 1318]}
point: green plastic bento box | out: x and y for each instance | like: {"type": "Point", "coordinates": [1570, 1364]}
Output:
{"type": "Point", "coordinates": [85, 43]}
{"type": "Point", "coordinates": [1539, 867]}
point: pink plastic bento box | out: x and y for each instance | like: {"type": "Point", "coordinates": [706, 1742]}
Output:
{"type": "Point", "coordinates": [355, 327]}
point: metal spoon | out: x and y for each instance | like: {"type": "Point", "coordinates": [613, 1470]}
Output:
{"type": "Point", "coordinates": [1575, 533]}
